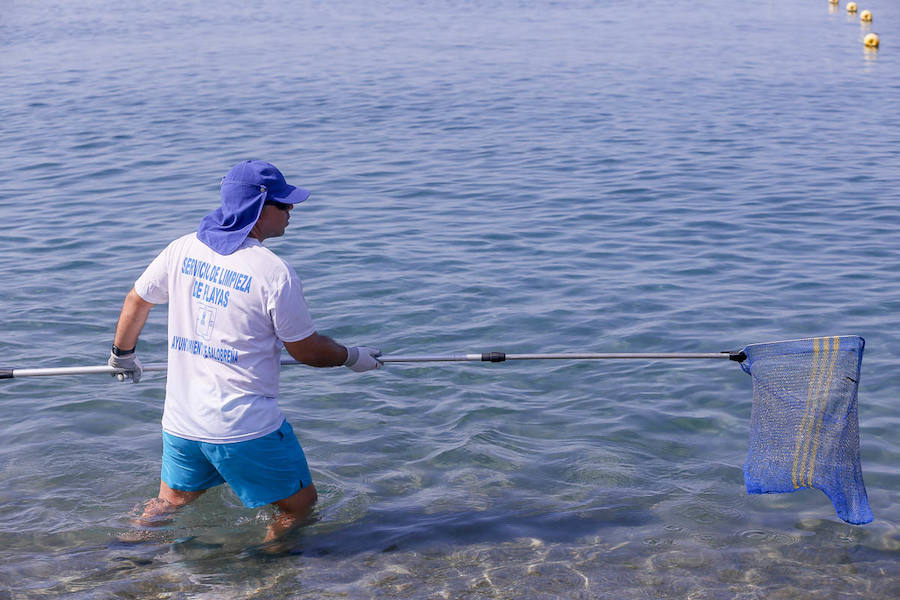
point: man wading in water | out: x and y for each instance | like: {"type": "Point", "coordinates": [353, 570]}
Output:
{"type": "Point", "coordinates": [232, 305]}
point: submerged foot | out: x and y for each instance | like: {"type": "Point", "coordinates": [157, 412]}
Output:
{"type": "Point", "coordinates": [155, 518]}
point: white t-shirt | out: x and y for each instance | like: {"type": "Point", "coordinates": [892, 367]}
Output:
{"type": "Point", "coordinates": [227, 319]}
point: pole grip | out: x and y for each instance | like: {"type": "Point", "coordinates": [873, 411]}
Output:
{"type": "Point", "coordinates": [6, 373]}
{"type": "Point", "coordinates": [493, 356]}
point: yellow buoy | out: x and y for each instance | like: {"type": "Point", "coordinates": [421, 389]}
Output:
{"type": "Point", "coordinates": [866, 16]}
{"type": "Point", "coordinates": [871, 40]}
{"type": "Point", "coordinates": [851, 7]}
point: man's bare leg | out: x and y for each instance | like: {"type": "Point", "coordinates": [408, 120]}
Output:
{"type": "Point", "coordinates": [156, 510]}
{"type": "Point", "coordinates": [167, 502]}
{"type": "Point", "coordinates": [291, 512]}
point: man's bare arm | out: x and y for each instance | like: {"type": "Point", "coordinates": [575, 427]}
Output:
{"type": "Point", "coordinates": [317, 351]}
{"type": "Point", "coordinates": [131, 320]}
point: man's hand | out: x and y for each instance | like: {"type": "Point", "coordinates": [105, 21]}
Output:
{"type": "Point", "coordinates": [363, 358]}
{"type": "Point", "coordinates": [129, 362]}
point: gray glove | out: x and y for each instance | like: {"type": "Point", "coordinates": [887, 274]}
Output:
{"type": "Point", "coordinates": [130, 363]}
{"type": "Point", "coordinates": [362, 358]}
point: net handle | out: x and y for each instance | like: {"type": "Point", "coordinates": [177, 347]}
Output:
{"type": "Point", "coordinates": [10, 373]}
{"type": "Point", "coordinates": [503, 357]}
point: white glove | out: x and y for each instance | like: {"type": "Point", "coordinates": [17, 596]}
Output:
{"type": "Point", "coordinates": [362, 358]}
{"type": "Point", "coordinates": [128, 362]}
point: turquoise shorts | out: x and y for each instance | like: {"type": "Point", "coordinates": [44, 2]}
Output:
{"type": "Point", "coordinates": [260, 471]}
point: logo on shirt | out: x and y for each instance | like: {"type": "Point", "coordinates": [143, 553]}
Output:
{"type": "Point", "coordinates": [206, 320]}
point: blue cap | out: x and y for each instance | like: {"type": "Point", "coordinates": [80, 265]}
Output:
{"type": "Point", "coordinates": [244, 189]}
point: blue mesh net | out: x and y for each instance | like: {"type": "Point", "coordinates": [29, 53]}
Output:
{"type": "Point", "coordinates": [804, 428]}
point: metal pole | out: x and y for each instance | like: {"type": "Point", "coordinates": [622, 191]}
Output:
{"type": "Point", "coordinates": [100, 369]}
{"type": "Point", "coordinates": [502, 357]}
{"type": "Point", "coordinates": [483, 357]}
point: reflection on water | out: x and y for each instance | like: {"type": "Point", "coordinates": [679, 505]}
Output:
{"type": "Point", "coordinates": [870, 55]}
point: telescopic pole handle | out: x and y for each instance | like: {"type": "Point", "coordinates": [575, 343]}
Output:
{"type": "Point", "coordinates": [482, 357]}
{"type": "Point", "coordinates": [92, 370]}
{"type": "Point", "coordinates": [503, 357]}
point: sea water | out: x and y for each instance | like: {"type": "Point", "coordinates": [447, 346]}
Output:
{"type": "Point", "coordinates": [503, 175]}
